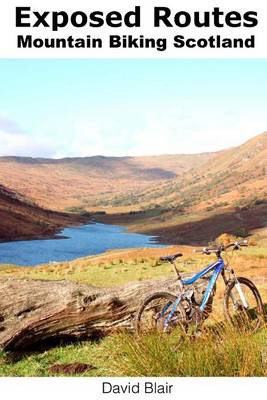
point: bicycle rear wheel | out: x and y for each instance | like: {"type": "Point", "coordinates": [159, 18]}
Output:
{"type": "Point", "coordinates": [155, 310]}
{"type": "Point", "coordinates": [243, 305]}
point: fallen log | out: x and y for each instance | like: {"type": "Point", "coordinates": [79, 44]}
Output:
{"type": "Point", "coordinates": [33, 311]}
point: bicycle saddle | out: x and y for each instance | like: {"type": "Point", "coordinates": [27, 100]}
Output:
{"type": "Point", "coordinates": [171, 258]}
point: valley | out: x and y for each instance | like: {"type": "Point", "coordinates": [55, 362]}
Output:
{"type": "Point", "coordinates": [84, 182]}
{"type": "Point", "coordinates": [182, 199]}
{"type": "Point", "coordinates": [227, 193]}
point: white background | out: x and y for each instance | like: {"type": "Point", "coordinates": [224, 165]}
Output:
{"type": "Point", "coordinates": [91, 388]}
{"type": "Point", "coordinates": [8, 31]}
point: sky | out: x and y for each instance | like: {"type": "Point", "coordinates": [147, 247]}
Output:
{"type": "Point", "coordinates": [67, 108]}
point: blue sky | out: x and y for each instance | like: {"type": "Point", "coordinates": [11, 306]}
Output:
{"type": "Point", "coordinates": [57, 108]}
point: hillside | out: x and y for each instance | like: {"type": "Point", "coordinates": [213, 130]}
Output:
{"type": "Point", "coordinates": [21, 219]}
{"type": "Point", "coordinates": [228, 193]}
{"type": "Point", "coordinates": [83, 182]}
{"type": "Point", "coordinates": [232, 175]}
{"type": "Point", "coordinates": [182, 198]}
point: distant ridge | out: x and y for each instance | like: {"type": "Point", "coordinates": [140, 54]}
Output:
{"type": "Point", "coordinates": [61, 183]}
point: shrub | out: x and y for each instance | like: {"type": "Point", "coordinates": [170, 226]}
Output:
{"type": "Point", "coordinates": [226, 238]}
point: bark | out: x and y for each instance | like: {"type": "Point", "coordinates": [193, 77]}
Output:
{"type": "Point", "coordinates": [32, 311]}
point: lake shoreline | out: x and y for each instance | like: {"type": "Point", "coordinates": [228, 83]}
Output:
{"type": "Point", "coordinates": [107, 219]}
{"type": "Point", "coordinates": [130, 222]}
{"type": "Point", "coordinates": [90, 239]}
{"type": "Point", "coordinates": [56, 234]}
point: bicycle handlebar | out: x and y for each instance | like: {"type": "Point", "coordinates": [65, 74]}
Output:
{"type": "Point", "coordinates": [221, 247]}
{"type": "Point", "coordinates": [237, 245]}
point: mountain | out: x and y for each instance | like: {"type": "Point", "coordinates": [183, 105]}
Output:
{"type": "Point", "coordinates": [181, 198]}
{"type": "Point", "coordinates": [21, 219]}
{"type": "Point", "coordinates": [82, 182]}
{"type": "Point", "coordinates": [227, 193]}
{"type": "Point", "coordinates": [234, 175]}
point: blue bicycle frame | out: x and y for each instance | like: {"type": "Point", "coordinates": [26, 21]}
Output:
{"type": "Point", "coordinates": [217, 268]}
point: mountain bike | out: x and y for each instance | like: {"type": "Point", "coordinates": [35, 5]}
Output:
{"type": "Point", "coordinates": [164, 311]}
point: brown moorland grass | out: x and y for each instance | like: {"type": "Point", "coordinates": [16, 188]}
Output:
{"type": "Point", "coordinates": [216, 352]}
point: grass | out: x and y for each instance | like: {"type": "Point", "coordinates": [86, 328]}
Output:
{"type": "Point", "coordinates": [110, 269]}
{"type": "Point", "coordinates": [119, 267]}
{"type": "Point", "coordinates": [255, 252]}
{"type": "Point", "coordinates": [227, 353]}
{"type": "Point", "coordinates": [102, 274]}
{"type": "Point", "coordinates": [37, 363]}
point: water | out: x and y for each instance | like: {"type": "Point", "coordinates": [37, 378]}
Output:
{"type": "Point", "coordinates": [78, 242]}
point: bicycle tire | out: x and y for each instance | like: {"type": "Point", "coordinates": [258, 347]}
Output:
{"type": "Point", "coordinates": [245, 318]}
{"type": "Point", "coordinates": [157, 325]}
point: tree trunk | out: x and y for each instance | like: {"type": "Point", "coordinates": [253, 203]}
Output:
{"type": "Point", "coordinates": [33, 311]}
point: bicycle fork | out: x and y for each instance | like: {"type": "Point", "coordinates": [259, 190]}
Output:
{"type": "Point", "coordinates": [239, 290]}
{"type": "Point", "coordinates": [241, 294]}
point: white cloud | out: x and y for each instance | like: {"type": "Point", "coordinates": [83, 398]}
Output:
{"type": "Point", "coordinates": [171, 132]}
{"type": "Point", "coordinates": [21, 144]}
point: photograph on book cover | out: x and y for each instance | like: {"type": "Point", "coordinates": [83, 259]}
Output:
{"type": "Point", "coordinates": [133, 205]}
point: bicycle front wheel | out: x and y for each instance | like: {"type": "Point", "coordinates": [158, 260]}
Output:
{"type": "Point", "coordinates": [158, 313]}
{"type": "Point", "coordinates": [243, 305]}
